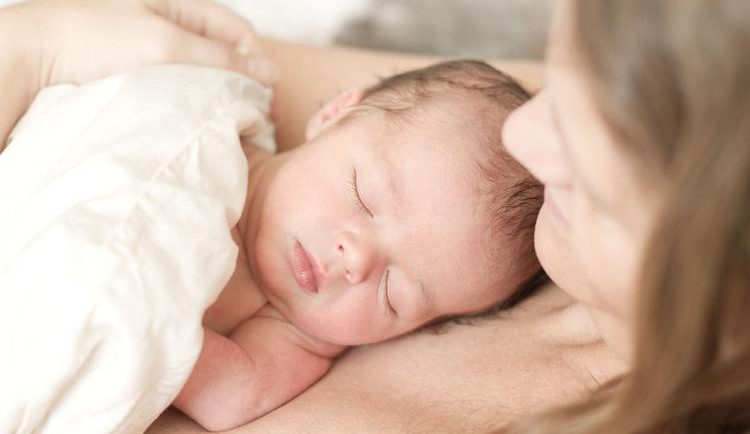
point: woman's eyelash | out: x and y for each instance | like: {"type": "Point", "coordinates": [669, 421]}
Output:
{"type": "Point", "coordinates": [355, 194]}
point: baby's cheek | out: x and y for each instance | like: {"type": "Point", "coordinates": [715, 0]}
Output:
{"type": "Point", "coordinates": [345, 321]}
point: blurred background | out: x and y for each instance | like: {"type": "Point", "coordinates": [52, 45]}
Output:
{"type": "Point", "coordinates": [457, 28]}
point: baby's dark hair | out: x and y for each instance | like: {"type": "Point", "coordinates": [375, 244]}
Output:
{"type": "Point", "coordinates": [484, 97]}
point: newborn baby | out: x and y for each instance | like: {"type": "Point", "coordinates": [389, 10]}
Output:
{"type": "Point", "coordinates": [402, 208]}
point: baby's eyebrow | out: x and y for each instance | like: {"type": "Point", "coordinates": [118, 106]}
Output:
{"type": "Point", "coordinates": [391, 175]}
{"type": "Point", "coordinates": [425, 294]}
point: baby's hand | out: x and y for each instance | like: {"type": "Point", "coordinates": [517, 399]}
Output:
{"type": "Point", "coordinates": [73, 41]}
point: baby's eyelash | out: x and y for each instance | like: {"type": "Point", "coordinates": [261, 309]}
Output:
{"type": "Point", "coordinates": [355, 194]}
{"type": "Point", "coordinates": [385, 293]}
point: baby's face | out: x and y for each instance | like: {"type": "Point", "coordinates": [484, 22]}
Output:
{"type": "Point", "coordinates": [366, 234]}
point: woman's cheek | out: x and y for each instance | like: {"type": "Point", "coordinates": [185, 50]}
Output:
{"type": "Point", "coordinates": [608, 258]}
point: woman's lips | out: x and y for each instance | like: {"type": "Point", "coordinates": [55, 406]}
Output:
{"type": "Point", "coordinates": [302, 266]}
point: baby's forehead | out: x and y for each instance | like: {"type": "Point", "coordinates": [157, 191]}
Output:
{"type": "Point", "coordinates": [443, 153]}
{"type": "Point", "coordinates": [455, 122]}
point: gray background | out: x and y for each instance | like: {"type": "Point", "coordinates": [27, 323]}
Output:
{"type": "Point", "coordinates": [458, 28]}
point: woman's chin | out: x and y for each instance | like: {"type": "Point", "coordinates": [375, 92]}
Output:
{"type": "Point", "coordinates": [554, 253]}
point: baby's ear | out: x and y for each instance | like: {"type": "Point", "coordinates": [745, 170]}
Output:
{"type": "Point", "coordinates": [332, 112]}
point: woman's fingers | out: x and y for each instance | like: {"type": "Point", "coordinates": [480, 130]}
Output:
{"type": "Point", "coordinates": [75, 41]}
{"type": "Point", "coordinates": [194, 48]}
{"type": "Point", "coordinates": [209, 19]}
{"type": "Point", "coordinates": [210, 34]}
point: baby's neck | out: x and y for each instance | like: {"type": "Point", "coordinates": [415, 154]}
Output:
{"type": "Point", "coordinates": [263, 167]}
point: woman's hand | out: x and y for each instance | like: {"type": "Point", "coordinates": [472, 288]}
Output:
{"type": "Point", "coordinates": [73, 41]}
{"type": "Point", "coordinates": [47, 42]}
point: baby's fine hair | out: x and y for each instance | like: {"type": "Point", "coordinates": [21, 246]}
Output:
{"type": "Point", "coordinates": [483, 96]}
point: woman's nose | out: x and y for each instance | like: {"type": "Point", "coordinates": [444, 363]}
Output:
{"type": "Point", "coordinates": [530, 137]}
{"type": "Point", "coordinates": [358, 256]}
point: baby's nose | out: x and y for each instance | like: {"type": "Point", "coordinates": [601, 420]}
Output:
{"type": "Point", "coordinates": [358, 255]}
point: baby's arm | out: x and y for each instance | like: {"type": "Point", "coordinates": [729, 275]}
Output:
{"type": "Point", "coordinates": [263, 364]}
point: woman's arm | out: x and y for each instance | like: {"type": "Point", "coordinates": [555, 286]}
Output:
{"type": "Point", "coordinates": [17, 86]}
{"type": "Point", "coordinates": [311, 76]}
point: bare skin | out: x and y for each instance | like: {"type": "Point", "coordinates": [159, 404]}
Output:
{"type": "Point", "coordinates": [541, 353]}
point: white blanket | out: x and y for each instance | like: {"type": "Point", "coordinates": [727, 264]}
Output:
{"type": "Point", "coordinates": [116, 200]}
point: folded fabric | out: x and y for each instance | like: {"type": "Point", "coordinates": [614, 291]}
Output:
{"type": "Point", "coordinates": [116, 203]}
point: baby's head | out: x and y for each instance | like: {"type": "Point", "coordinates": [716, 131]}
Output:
{"type": "Point", "coordinates": [401, 208]}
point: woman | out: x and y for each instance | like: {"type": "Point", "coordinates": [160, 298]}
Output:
{"type": "Point", "coordinates": [641, 141]}
{"type": "Point", "coordinates": [647, 176]}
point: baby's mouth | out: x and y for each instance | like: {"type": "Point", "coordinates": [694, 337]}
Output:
{"type": "Point", "coordinates": [302, 266]}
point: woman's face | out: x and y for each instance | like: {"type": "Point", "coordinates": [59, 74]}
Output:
{"type": "Point", "coordinates": [595, 218]}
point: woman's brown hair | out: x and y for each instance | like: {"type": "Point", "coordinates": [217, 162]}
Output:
{"type": "Point", "coordinates": [672, 82]}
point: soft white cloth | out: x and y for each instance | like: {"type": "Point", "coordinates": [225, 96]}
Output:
{"type": "Point", "coordinates": [116, 200]}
